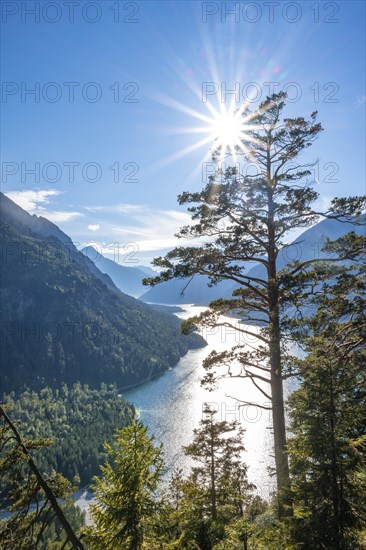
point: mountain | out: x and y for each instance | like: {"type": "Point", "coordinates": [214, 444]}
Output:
{"type": "Point", "coordinates": [65, 321]}
{"type": "Point", "coordinates": [37, 226]}
{"type": "Point", "coordinates": [185, 291]}
{"type": "Point", "coordinates": [306, 247]}
{"type": "Point", "coordinates": [147, 271]}
{"type": "Point", "coordinates": [127, 279]}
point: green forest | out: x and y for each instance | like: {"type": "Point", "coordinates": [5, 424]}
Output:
{"type": "Point", "coordinates": [77, 420]}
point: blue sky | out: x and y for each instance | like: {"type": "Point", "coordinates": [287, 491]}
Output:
{"type": "Point", "coordinates": [137, 84]}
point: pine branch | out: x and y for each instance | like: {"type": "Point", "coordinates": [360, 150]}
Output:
{"type": "Point", "coordinates": [248, 403]}
{"type": "Point", "coordinates": [74, 540]}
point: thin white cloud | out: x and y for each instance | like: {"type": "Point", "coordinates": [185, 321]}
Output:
{"type": "Point", "coordinates": [57, 216]}
{"type": "Point", "coordinates": [123, 208]}
{"type": "Point", "coordinates": [176, 215]}
{"type": "Point", "coordinates": [159, 225]}
{"type": "Point", "coordinates": [142, 228]}
{"type": "Point", "coordinates": [360, 101]}
{"type": "Point", "coordinates": [94, 227]}
{"type": "Point", "coordinates": [30, 200]}
{"type": "Point", "coordinates": [322, 204]}
{"type": "Point", "coordinates": [159, 244]}
{"type": "Point", "coordinates": [33, 201]}
{"type": "Point", "coordinates": [136, 224]}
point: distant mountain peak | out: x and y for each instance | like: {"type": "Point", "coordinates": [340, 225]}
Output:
{"type": "Point", "coordinates": [128, 278]}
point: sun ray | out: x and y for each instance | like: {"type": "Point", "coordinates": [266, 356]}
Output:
{"type": "Point", "coordinates": [222, 128]}
{"type": "Point", "coordinates": [182, 153]}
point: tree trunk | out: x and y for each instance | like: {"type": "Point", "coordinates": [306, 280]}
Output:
{"type": "Point", "coordinates": [279, 432]}
{"type": "Point", "coordinates": [337, 518]}
{"type": "Point", "coordinates": [213, 481]}
{"type": "Point", "coordinates": [278, 407]}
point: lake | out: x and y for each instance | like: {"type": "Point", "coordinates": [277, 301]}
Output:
{"type": "Point", "coordinates": [171, 405]}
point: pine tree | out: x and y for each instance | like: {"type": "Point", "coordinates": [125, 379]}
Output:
{"type": "Point", "coordinates": [220, 470]}
{"type": "Point", "coordinates": [186, 523]}
{"type": "Point", "coordinates": [327, 451]}
{"type": "Point", "coordinates": [126, 494]}
{"type": "Point", "coordinates": [243, 220]}
{"type": "Point", "coordinates": [202, 505]}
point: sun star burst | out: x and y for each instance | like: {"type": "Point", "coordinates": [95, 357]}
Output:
{"type": "Point", "coordinates": [228, 131]}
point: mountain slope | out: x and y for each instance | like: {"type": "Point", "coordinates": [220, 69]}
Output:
{"type": "Point", "coordinates": [184, 291]}
{"type": "Point", "coordinates": [306, 247]}
{"type": "Point", "coordinates": [64, 322]}
{"type": "Point", "coordinates": [37, 226]}
{"type": "Point", "coordinates": [127, 279]}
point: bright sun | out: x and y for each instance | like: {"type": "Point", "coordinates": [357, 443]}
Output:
{"type": "Point", "coordinates": [227, 130]}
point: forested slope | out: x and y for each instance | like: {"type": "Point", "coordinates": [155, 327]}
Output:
{"type": "Point", "coordinates": [62, 324]}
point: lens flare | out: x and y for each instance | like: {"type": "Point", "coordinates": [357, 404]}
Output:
{"type": "Point", "coordinates": [228, 131]}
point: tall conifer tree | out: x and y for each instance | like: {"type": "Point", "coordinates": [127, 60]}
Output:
{"type": "Point", "coordinates": [327, 450]}
{"type": "Point", "coordinates": [126, 493]}
{"type": "Point", "coordinates": [244, 220]}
